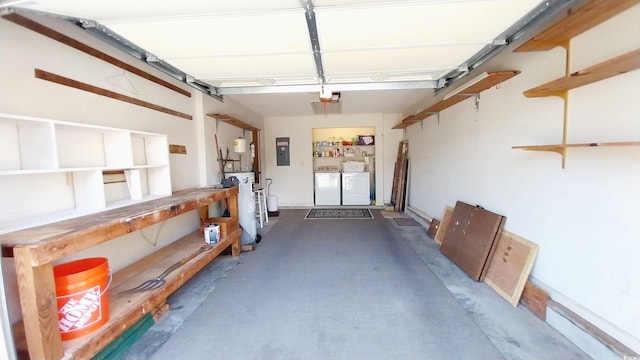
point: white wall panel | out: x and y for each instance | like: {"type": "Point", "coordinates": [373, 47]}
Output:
{"type": "Point", "coordinates": [585, 217]}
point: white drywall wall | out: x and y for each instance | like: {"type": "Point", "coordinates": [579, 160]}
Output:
{"type": "Point", "coordinates": [585, 217]}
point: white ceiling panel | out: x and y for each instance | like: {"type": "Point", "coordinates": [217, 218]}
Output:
{"type": "Point", "coordinates": [411, 59]}
{"type": "Point", "coordinates": [213, 36]}
{"type": "Point", "coordinates": [248, 66]}
{"type": "Point", "coordinates": [139, 9]}
{"type": "Point", "coordinates": [259, 45]}
{"type": "Point", "coordinates": [418, 25]}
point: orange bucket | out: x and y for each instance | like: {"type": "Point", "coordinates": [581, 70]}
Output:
{"type": "Point", "coordinates": [81, 292]}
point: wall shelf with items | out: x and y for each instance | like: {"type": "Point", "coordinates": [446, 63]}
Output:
{"type": "Point", "coordinates": [69, 164]}
{"type": "Point", "coordinates": [560, 33]}
{"type": "Point", "coordinates": [326, 149]}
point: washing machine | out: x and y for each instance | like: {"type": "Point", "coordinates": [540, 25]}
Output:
{"type": "Point", "coordinates": [355, 188]}
{"type": "Point", "coordinates": [327, 186]}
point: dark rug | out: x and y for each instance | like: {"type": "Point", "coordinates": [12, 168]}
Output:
{"type": "Point", "coordinates": [339, 214]}
{"type": "Point", "coordinates": [406, 222]}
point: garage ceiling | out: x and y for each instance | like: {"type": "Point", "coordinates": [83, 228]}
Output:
{"type": "Point", "coordinates": [274, 56]}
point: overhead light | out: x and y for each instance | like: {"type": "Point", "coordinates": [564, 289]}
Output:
{"type": "Point", "coordinates": [325, 95]}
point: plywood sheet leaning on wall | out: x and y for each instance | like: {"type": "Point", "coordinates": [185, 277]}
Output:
{"type": "Point", "coordinates": [471, 238]}
{"type": "Point", "coordinates": [433, 228]}
{"type": "Point", "coordinates": [442, 229]}
{"type": "Point", "coordinates": [510, 266]}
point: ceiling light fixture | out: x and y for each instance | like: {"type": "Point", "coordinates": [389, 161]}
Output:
{"type": "Point", "coordinates": [325, 95]}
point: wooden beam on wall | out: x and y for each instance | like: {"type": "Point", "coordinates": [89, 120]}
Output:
{"type": "Point", "coordinates": [233, 121]}
{"type": "Point", "coordinates": [58, 79]}
{"type": "Point", "coordinates": [57, 36]}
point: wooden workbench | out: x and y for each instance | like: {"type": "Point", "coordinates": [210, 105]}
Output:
{"type": "Point", "coordinates": [35, 249]}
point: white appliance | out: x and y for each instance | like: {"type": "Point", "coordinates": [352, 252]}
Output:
{"type": "Point", "coordinates": [246, 206]}
{"type": "Point", "coordinates": [355, 188]}
{"type": "Point", "coordinates": [327, 185]}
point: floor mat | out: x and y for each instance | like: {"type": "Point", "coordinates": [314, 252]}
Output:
{"type": "Point", "coordinates": [391, 214]}
{"type": "Point", "coordinates": [339, 214]}
{"type": "Point", "coordinates": [406, 222]}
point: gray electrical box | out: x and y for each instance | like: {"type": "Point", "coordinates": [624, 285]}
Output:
{"type": "Point", "coordinates": [282, 151]}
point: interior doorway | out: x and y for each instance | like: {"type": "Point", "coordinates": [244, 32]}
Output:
{"type": "Point", "coordinates": [344, 166]}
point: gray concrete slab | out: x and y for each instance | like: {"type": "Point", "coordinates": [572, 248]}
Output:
{"type": "Point", "coordinates": [344, 290]}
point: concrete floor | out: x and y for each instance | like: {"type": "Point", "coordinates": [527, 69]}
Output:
{"type": "Point", "coordinates": [513, 331]}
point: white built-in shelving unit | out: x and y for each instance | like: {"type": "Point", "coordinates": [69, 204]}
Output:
{"type": "Point", "coordinates": [52, 170]}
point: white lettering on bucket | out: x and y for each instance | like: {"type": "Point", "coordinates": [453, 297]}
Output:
{"type": "Point", "coordinates": [78, 312]}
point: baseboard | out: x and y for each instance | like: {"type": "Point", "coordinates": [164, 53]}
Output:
{"type": "Point", "coordinates": [426, 217]}
{"type": "Point", "coordinates": [612, 347]}
{"type": "Point", "coordinates": [594, 335]}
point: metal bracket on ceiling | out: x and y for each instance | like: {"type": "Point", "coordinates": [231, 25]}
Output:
{"type": "Point", "coordinates": [87, 24]}
{"type": "Point", "coordinates": [533, 21]}
{"type": "Point", "coordinates": [312, 27]}
{"type": "Point", "coordinates": [499, 42]}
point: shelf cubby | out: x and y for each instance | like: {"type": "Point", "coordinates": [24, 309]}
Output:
{"type": "Point", "coordinates": [74, 158]}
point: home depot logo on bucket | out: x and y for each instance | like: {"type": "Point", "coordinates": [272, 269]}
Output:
{"type": "Point", "coordinates": [81, 310]}
{"type": "Point", "coordinates": [82, 296]}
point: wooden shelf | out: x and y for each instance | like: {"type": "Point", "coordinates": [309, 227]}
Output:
{"type": "Point", "coordinates": [233, 121]}
{"type": "Point", "coordinates": [36, 248]}
{"type": "Point", "coordinates": [612, 67]}
{"type": "Point", "coordinates": [127, 309]}
{"type": "Point", "coordinates": [560, 148]}
{"type": "Point", "coordinates": [576, 22]}
{"type": "Point", "coordinates": [492, 79]}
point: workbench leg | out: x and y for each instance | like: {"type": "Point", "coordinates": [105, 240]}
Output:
{"type": "Point", "coordinates": [233, 206]}
{"type": "Point", "coordinates": [235, 248]}
{"type": "Point", "coordinates": [36, 285]}
{"type": "Point", "coordinates": [203, 212]}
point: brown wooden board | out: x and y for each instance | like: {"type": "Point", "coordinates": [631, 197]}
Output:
{"type": "Point", "coordinates": [442, 229]}
{"type": "Point", "coordinates": [433, 228]}
{"type": "Point", "coordinates": [471, 238]}
{"type": "Point", "coordinates": [535, 299]}
{"type": "Point", "coordinates": [59, 79]}
{"type": "Point", "coordinates": [577, 21]}
{"type": "Point", "coordinates": [399, 190]}
{"type": "Point", "coordinates": [510, 266]}
{"type": "Point", "coordinates": [604, 70]}
{"type": "Point", "coordinates": [58, 36]}
{"type": "Point", "coordinates": [177, 149]}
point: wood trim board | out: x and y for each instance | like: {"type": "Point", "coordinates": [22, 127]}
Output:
{"type": "Point", "coordinates": [510, 266]}
{"type": "Point", "coordinates": [233, 121]}
{"type": "Point", "coordinates": [535, 299]}
{"type": "Point", "coordinates": [59, 79]}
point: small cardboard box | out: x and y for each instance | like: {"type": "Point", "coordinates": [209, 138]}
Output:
{"type": "Point", "coordinates": [227, 225]}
